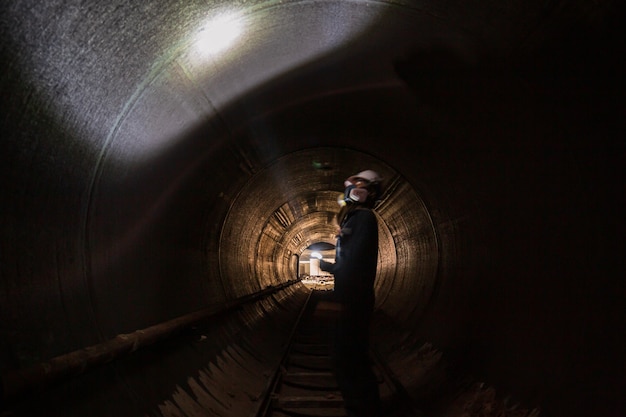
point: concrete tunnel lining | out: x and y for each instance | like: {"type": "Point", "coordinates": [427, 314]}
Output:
{"type": "Point", "coordinates": [290, 205]}
{"type": "Point", "coordinates": [108, 173]}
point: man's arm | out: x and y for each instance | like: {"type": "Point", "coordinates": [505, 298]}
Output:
{"type": "Point", "coordinates": [359, 244]}
{"type": "Point", "coordinates": [327, 266]}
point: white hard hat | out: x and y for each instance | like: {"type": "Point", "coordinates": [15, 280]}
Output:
{"type": "Point", "coordinates": [368, 174]}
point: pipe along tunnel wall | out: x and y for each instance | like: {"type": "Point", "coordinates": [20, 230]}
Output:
{"type": "Point", "coordinates": [147, 176]}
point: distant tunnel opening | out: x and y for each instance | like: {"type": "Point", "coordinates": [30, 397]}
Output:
{"type": "Point", "coordinates": [309, 270]}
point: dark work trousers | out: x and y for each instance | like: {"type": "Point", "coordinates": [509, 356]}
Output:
{"type": "Point", "coordinates": [351, 362]}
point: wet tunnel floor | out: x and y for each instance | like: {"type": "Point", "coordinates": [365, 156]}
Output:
{"type": "Point", "coordinates": [414, 378]}
{"type": "Point", "coordinates": [246, 363]}
{"type": "Point", "coordinates": [305, 384]}
{"type": "Point", "coordinates": [435, 387]}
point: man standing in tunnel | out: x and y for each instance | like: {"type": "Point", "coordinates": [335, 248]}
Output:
{"type": "Point", "coordinates": [354, 270]}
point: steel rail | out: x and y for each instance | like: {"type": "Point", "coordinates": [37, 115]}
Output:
{"type": "Point", "coordinates": [265, 404]}
{"type": "Point", "coordinates": [303, 382]}
{"type": "Point", "coordinates": [390, 378]}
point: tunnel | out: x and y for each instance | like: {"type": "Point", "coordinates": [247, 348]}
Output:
{"type": "Point", "coordinates": [165, 164]}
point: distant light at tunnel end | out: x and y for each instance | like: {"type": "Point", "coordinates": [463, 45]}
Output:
{"type": "Point", "coordinates": [219, 33]}
{"type": "Point", "coordinates": [316, 255]}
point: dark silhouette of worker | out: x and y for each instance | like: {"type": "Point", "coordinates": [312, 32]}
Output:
{"type": "Point", "coordinates": [354, 270]}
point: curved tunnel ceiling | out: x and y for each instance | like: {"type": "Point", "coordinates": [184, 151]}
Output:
{"type": "Point", "coordinates": [142, 167]}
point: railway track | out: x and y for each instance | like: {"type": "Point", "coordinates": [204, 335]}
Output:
{"type": "Point", "coordinates": [303, 384]}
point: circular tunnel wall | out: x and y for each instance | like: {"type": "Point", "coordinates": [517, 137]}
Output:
{"type": "Point", "coordinates": [130, 149]}
{"type": "Point", "coordinates": [291, 205]}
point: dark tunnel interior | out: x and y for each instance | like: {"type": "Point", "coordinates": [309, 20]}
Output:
{"type": "Point", "coordinates": [149, 173]}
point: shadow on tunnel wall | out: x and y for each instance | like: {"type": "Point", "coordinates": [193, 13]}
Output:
{"type": "Point", "coordinates": [41, 231]}
{"type": "Point", "coordinates": [539, 145]}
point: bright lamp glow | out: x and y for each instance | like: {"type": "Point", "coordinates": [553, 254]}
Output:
{"type": "Point", "coordinates": [316, 255]}
{"type": "Point", "coordinates": [219, 33]}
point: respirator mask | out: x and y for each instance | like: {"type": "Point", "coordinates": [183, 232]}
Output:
{"type": "Point", "coordinates": [359, 187]}
{"type": "Point", "coordinates": [354, 194]}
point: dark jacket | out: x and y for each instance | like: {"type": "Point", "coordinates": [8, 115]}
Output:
{"type": "Point", "coordinates": [356, 258]}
